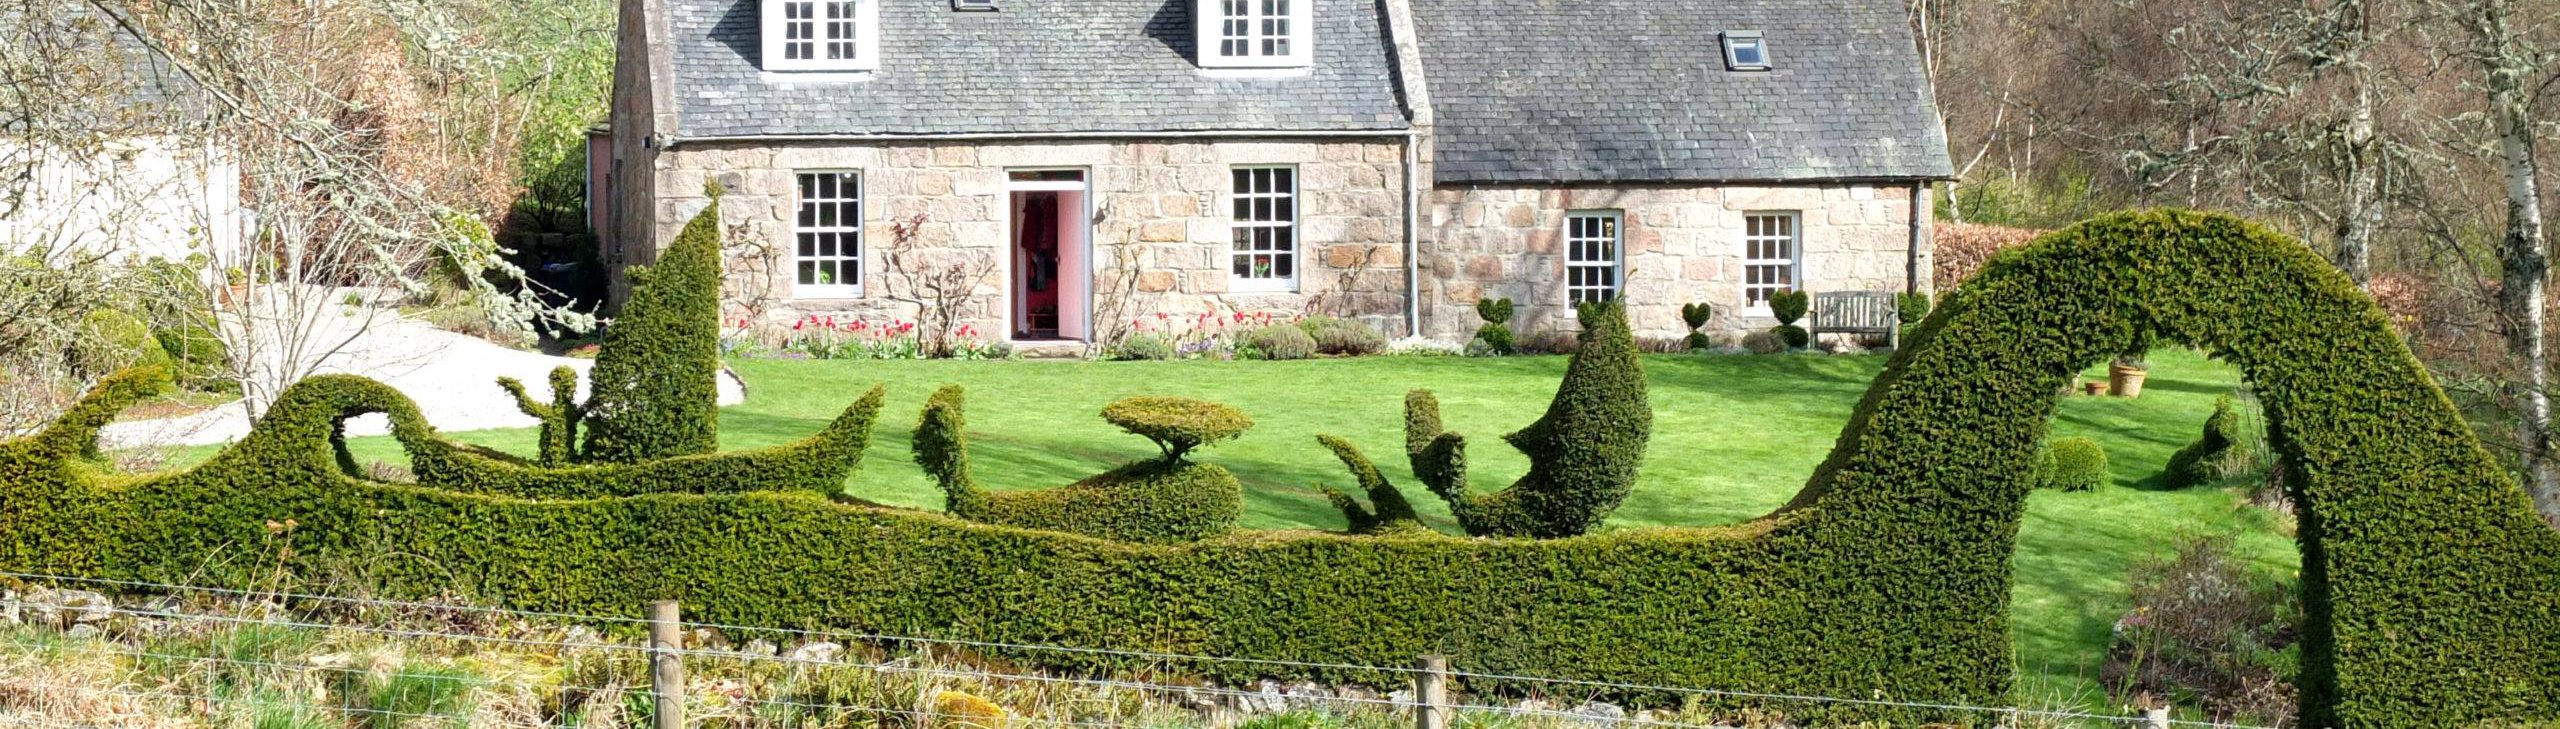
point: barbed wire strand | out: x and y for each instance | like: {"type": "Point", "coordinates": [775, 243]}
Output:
{"type": "Point", "coordinates": [856, 636]}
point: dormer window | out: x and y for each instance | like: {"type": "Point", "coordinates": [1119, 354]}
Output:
{"type": "Point", "coordinates": [821, 35]}
{"type": "Point", "coordinates": [1745, 50]}
{"type": "Point", "coordinates": [1256, 33]}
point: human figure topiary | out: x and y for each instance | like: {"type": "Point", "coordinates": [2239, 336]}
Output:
{"type": "Point", "coordinates": [1583, 454]}
{"type": "Point", "coordinates": [2209, 458]}
{"type": "Point", "coordinates": [655, 391]}
{"type": "Point", "coordinates": [1790, 306]}
{"type": "Point", "coordinates": [559, 417]}
{"type": "Point", "coordinates": [1496, 332]}
{"type": "Point", "coordinates": [1159, 500]}
{"type": "Point", "coordinates": [1696, 316]}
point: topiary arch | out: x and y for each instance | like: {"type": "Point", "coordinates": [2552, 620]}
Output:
{"type": "Point", "coordinates": [2432, 589]}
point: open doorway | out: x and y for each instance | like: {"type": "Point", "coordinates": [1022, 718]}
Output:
{"type": "Point", "coordinates": [1050, 256]}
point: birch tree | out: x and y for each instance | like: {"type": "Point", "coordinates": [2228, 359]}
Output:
{"type": "Point", "coordinates": [2512, 70]}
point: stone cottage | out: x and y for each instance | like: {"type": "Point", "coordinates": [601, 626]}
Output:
{"type": "Point", "coordinates": [1078, 164]}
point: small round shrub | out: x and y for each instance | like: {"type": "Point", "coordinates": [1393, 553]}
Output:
{"type": "Point", "coordinates": [1177, 424]}
{"type": "Point", "coordinates": [1343, 337]}
{"type": "Point", "coordinates": [1143, 346]}
{"type": "Point", "coordinates": [115, 340]}
{"type": "Point", "coordinates": [1789, 306]}
{"type": "Point", "coordinates": [1764, 343]}
{"type": "Point", "coordinates": [1794, 336]}
{"type": "Point", "coordinates": [1280, 342]}
{"type": "Point", "coordinates": [2074, 464]}
{"type": "Point", "coordinates": [963, 710]}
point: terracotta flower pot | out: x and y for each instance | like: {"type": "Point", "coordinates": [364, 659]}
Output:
{"type": "Point", "coordinates": [2123, 381]}
{"type": "Point", "coordinates": [2093, 389]}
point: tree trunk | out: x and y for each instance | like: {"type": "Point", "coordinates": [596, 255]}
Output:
{"type": "Point", "coordinates": [2527, 264]}
{"type": "Point", "coordinates": [2363, 204]}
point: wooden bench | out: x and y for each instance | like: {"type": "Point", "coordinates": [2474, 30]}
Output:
{"type": "Point", "coordinates": [1856, 312]}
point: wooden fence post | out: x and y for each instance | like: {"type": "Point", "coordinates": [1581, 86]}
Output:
{"type": "Point", "coordinates": [1431, 693]}
{"type": "Point", "coordinates": [666, 665]}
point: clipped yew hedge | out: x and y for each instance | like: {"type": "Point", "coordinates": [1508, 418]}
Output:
{"type": "Point", "coordinates": [820, 463]}
{"type": "Point", "coordinates": [1583, 453]}
{"type": "Point", "coordinates": [2432, 591]}
{"type": "Point", "coordinates": [655, 390]}
{"type": "Point", "coordinates": [1158, 500]}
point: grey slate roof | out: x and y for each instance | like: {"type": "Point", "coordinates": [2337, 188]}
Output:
{"type": "Point", "coordinates": [1036, 66]}
{"type": "Point", "coordinates": [1635, 90]}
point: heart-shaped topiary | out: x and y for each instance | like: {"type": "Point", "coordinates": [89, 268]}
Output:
{"type": "Point", "coordinates": [1494, 311]}
{"type": "Point", "coordinates": [1696, 315]}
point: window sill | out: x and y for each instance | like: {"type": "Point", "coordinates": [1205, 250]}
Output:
{"type": "Point", "coordinates": [826, 295]}
{"type": "Point", "coordinates": [1261, 287]}
{"type": "Point", "coordinates": [816, 76]}
{"type": "Point", "coordinates": [1253, 72]}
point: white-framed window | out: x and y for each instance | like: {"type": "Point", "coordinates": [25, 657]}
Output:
{"type": "Point", "coordinates": [1594, 255]}
{"type": "Point", "coordinates": [1771, 252]}
{"type": "Point", "coordinates": [1256, 33]}
{"type": "Point", "coordinates": [1265, 229]}
{"type": "Point", "coordinates": [1745, 50]}
{"type": "Point", "coordinates": [821, 35]}
{"type": "Point", "coordinates": [826, 259]}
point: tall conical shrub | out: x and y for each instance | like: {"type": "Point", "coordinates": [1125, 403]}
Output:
{"type": "Point", "coordinates": [1583, 455]}
{"type": "Point", "coordinates": [654, 392]}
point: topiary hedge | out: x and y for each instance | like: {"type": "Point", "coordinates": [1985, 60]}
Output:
{"type": "Point", "coordinates": [2210, 458]}
{"type": "Point", "coordinates": [655, 389]}
{"type": "Point", "coordinates": [1583, 454]}
{"type": "Point", "coordinates": [1177, 424]}
{"type": "Point", "coordinates": [1496, 332]}
{"type": "Point", "coordinates": [819, 464]}
{"type": "Point", "coordinates": [2432, 591]}
{"type": "Point", "coordinates": [1160, 500]}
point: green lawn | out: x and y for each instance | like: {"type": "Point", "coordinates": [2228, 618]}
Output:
{"type": "Point", "coordinates": [1734, 436]}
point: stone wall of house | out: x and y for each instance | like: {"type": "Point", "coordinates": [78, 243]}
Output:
{"type": "Point", "coordinates": [1161, 234]}
{"type": "Point", "coordinates": [1684, 244]}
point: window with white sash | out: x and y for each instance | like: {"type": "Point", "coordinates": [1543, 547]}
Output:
{"type": "Point", "coordinates": [827, 236]}
{"type": "Point", "coordinates": [1265, 229]}
{"type": "Point", "coordinates": [821, 35]}
{"type": "Point", "coordinates": [1594, 256]}
{"type": "Point", "coordinates": [1770, 249]}
{"type": "Point", "coordinates": [1256, 33]}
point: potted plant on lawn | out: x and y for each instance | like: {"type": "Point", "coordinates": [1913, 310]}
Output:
{"type": "Point", "coordinates": [2125, 375]}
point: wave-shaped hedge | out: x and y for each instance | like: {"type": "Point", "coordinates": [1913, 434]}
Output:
{"type": "Point", "coordinates": [2433, 593]}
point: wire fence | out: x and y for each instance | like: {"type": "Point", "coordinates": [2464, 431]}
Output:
{"type": "Point", "coordinates": [76, 654]}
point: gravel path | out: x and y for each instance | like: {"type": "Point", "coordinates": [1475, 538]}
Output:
{"type": "Point", "coordinates": [453, 377]}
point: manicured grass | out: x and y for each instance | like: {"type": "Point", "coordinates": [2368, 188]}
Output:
{"type": "Point", "coordinates": [1734, 437]}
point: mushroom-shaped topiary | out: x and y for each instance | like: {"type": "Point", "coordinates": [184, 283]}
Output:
{"type": "Point", "coordinates": [1177, 424]}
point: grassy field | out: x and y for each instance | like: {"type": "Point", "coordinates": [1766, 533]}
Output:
{"type": "Point", "coordinates": [1734, 437]}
